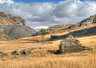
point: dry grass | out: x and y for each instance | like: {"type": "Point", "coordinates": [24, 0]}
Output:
{"type": "Point", "coordinates": [62, 28]}
{"type": "Point", "coordinates": [51, 62]}
{"type": "Point", "coordinates": [45, 57]}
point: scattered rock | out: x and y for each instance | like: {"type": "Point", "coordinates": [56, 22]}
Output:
{"type": "Point", "coordinates": [3, 54]}
{"type": "Point", "coordinates": [22, 51]}
{"type": "Point", "coordinates": [19, 52]}
{"type": "Point", "coordinates": [70, 44]}
{"type": "Point", "coordinates": [72, 26]}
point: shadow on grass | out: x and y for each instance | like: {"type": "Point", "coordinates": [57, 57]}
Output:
{"type": "Point", "coordinates": [54, 52]}
{"type": "Point", "coordinates": [57, 52]}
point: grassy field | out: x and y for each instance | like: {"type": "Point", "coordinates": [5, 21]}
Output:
{"type": "Point", "coordinates": [51, 62]}
{"type": "Point", "coordinates": [46, 56]}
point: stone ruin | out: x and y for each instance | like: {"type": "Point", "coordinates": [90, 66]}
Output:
{"type": "Point", "coordinates": [70, 44]}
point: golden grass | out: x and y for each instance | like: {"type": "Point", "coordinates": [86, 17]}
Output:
{"type": "Point", "coordinates": [45, 57]}
{"type": "Point", "coordinates": [50, 62]}
{"type": "Point", "coordinates": [61, 30]}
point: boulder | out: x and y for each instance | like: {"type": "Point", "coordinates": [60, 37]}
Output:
{"type": "Point", "coordinates": [22, 51]}
{"type": "Point", "coordinates": [70, 44]}
{"type": "Point", "coordinates": [19, 52]}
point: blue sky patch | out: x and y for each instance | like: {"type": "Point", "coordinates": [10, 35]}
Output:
{"type": "Point", "coordinates": [30, 1]}
{"type": "Point", "coordinates": [54, 1]}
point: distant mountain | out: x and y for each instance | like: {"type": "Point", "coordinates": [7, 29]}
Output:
{"type": "Point", "coordinates": [8, 19]}
{"type": "Point", "coordinates": [84, 24]}
{"type": "Point", "coordinates": [12, 27]}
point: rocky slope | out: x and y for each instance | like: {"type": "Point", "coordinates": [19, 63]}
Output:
{"type": "Point", "coordinates": [7, 19]}
{"type": "Point", "coordinates": [12, 27]}
{"type": "Point", "coordinates": [84, 23]}
{"type": "Point", "coordinates": [90, 20]}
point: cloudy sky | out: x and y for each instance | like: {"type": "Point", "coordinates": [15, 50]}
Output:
{"type": "Point", "coordinates": [44, 13]}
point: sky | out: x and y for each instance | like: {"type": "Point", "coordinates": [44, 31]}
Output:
{"type": "Point", "coordinates": [30, 1]}
{"type": "Point", "coordinates": [54, 1]}
{"type": "Point", "coordinates": [45, 13]}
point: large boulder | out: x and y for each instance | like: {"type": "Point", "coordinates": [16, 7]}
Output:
{"type": "Point", "coordinates": [70, 44]}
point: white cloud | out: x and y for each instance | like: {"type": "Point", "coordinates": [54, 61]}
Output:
{"type": "Point", "coordinates": [40, 27]}
{"type": "Point", "coordinates": [47, 14]}
{"type": "Point", "coordinates": [6, 1]}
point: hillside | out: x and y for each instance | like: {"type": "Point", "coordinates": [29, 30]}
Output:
{"type": "Point", "coordinates": [13, 27]}
{"type": "Point", "coordinates": [42, 51]}
{"type": "Point", "coordinates": [10, 32]}
{"type": "Point", "coordinates": [46, 56]}
{"type": "Point", "coordinates": [8, 19]}
{"type": "Point", "coordinates": [86, 23]}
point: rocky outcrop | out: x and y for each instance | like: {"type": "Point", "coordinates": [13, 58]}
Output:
{"type": "Point", "coordinates": [90, 20]}
{"type": "Point", "coordinates": [7, 19]}
{"type": "Point", "coordinates": [70, 44]}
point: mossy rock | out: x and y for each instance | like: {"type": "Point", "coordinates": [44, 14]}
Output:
{"type": "Point", "coordinates": [70, 44]}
